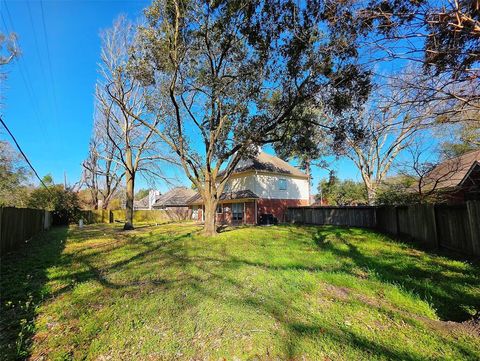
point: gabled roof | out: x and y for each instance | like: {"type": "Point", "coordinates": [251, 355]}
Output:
{"type": "Point", "coordinates": [227, 196]}
{"type": "Point", "coordinates": [176, 197]}
{"type": "Point", "coordinates": [453, 172]}
{"type": "Point", "coordinates": [141, 203]}
{"type": "Point", "coordinates": [264, 162]}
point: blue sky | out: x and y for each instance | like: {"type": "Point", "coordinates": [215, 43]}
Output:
{"type": "Point", "coordinates": [47, 99]}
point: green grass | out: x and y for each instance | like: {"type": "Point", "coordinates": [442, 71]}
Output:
{"type": "Point", "coordinates": [281, 292]}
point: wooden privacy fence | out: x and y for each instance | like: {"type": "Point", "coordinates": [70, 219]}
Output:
{"type": "Point", "coordinates": [18, 225]}
{"type": "Point", "coordinates": [453, 227]}
{"type": "Point", "coordinates": [361, 216]}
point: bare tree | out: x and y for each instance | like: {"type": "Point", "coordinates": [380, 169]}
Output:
{"type": "Point", "coordinates": [442, 37]}
{"type": "Point", "coordinates": [102, 174]}
{"type": "Point", "coordinates": [90, 174]}
{"type": "Point", "coordinates": [423, 163]}
{"type": "Point", "coordinates": [382, 129]}
{"type": "Point", "coordinates": [8, 48]}
{"type": "Point", "coordinates": [121, 101]}
{"type": "Point", "coordinates": [8, 52]}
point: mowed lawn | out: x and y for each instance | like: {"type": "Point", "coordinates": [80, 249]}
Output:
{"type": "Point", "coordinates": [283, 292]}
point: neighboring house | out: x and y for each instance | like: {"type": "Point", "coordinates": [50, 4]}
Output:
{"type": "Point", "coordinates": [147, 202]}
{"type": "Point", "coordinates": [175, 199]}
{"type": "Point", "coordinates": [263, 185]}
{"type": "Point", "coordinates": [456, 179]}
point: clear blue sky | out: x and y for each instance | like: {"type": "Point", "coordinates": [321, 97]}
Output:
{"type": "Point", "coordinates": [47, 99]}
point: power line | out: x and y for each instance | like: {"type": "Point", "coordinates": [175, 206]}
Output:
{"type": "Point", "coordinates": [24, 74]}
{"type": "Point", "coordinates": [37, 47]}
{"type": "Point", "coordinates": [22, 69]}
{"type": "Point", "coordinates": [23, 154]}
{"type": "Point", "coordinates": [49, 62]}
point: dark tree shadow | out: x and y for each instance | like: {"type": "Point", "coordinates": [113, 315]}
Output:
{"type": "Point", "coordinates": [22, 280]}
{"type": "Point", "coordinates": [202, 271]}
{"type": "Point", "coordinates": [414, 270]}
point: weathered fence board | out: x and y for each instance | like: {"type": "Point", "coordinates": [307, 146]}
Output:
{"type": "Point", "coordinates": [18, 225]}
{"type": "Point", "coordinates": [473, 211]}
{"type": "Point", "coordinates": [453, 227]}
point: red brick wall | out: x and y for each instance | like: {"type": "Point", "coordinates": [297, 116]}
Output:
{"type": "Point", "coordinates": [249, 213]}
{"type": "Point", "coordinates": [226, 216]}
{"type": "Point", "coordinates": [277, 206]}
{"type": "Point", "coordinates": [274, 206]}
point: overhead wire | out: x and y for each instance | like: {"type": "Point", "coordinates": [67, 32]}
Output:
{"type": "Point", "coordinates": [23, 153]}
{"type": "Point", "coordinates": [25, 75]}
{"type": "Point", "coordinates": [49, 61]}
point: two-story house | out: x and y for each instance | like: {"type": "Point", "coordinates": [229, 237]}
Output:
{"type": "Point", "coordinates": [263, 185]}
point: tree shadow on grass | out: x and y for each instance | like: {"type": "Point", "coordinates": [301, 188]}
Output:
{"type": "Point", "coordinates": [210, 272]}
{"type": "Point", "coordinates": [22, 288]}
{"type": "Point", "coordinates": [449, 288]}
{"type": "Point", "coordinates": [296, 322]}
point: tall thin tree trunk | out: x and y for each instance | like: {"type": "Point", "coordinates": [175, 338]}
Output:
{"type": "Point", "coordinates": [308, 171]}
{"type": "Point", "coordinates": [94, 194]}
{"type": "Point", "coordinates": [108, 191]}
{"type": "Point", "coordinates": [129, 202]}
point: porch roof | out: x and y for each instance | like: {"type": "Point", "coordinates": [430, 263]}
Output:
{"type": "Point", "coordinates": [245, 194]}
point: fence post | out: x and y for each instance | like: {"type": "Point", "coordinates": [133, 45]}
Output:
{"type": "Point", "coordinates": [110, 216]}
{"type": "Point", "coordinates": [473, 210]}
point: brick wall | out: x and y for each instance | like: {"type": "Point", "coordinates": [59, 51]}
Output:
{"type": "Point", "coordinates": [277, 207]}
{"type": "Point", "coordinates": [250, 212]}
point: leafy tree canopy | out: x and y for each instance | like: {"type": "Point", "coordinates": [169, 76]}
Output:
{"type": "Point", "coordinates": [142, 193]}
{"type": "Point", "coordinates": [467, 139]}
{"type": "Point", "coordinates": [399, 190]}
{"type": "Point", "coordinates": [55, 198]}
{"type": "Point", "coordinates": [226, 76]}
{"type": "Point", "coordinates": [14, 175]}
{"type": "Point", "coordinates": [341, 192]}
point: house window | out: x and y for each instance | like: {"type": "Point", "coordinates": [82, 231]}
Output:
{"type": "Point", "coordinates": [219, 209]}
{"type": "Point", "coordinates": [237, 211]}
{"type": "Point", "coordinates": [282, 184]}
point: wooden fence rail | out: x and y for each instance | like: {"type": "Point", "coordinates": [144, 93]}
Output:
{"type": "Point", "coordinates": [453, 227]}
{"type": "Point", "coordinates": [18, 225]}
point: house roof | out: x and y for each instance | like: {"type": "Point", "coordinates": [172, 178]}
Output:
{"type": "Point", "coordinates": [176, 197]}
{"type": "Point", "coordinates": [141, 203]}
{"type": "Point", "coordinates": [452, 172]}
{"type": "Point", "coordinates": [227, 196]}
{"type": "Point", "coordinates": [268, 163]}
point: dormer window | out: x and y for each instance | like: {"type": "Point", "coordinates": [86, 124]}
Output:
{"type": "Point", "coordinates": [282, 184]}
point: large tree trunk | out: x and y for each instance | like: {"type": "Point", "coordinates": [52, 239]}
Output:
{"type": "Point", "coordinates": [371, 195]}
{"type": "Point", "coordinates": [130, 197]}
{"type": "Point", "coordinates": [210, 228]}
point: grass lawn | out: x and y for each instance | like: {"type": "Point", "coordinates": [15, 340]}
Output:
{"type": "Point", "coordinates": [281, 292]}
